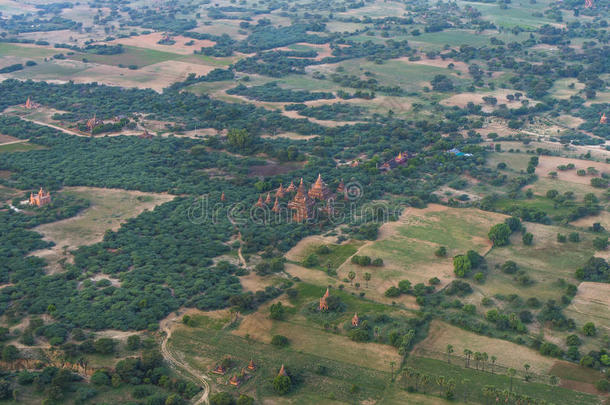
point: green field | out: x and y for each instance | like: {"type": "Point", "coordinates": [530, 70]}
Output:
{"type": "Point", "coordinates": [19, 147]}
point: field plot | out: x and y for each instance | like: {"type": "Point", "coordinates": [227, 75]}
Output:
{"type": "Point", "coordinates": [462, 99]}
{"type": "Point", "coordinates": [545, 262]}
{"type": "Point", "coordinates": [109, 208]}
{"type": "Point", "coordinates": [407, 246]}
{"type": "Point", "coordinates": [591, 304]}
{"type": "Point", "coordinates": [549, 164]}
{"type": "Point", "coordinates": [509, 354]}
{"type": "Point", "coordinates": [150, 41]}
{"type": "Point", "coordinates": [516, 15]}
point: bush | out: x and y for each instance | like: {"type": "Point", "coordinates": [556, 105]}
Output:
{"type": "Point", "coordinates": [561, 238]}
{"type": "Point", "coordinates": [311, 260]}
{"type": "Point", "coordinates": [100, 377]}
{"type": "Point", "coordinates": [573, 340]}
{"type": "Point", "coordinates": [600, 243]}
{"type": "Point", "coordinates": [221, 398]}
{"type": "Point", "coordinates": [499, 235]}
{"type": "Point", "coordinates": [404, 286]}
{"type": "Point", "coordinates": [461, 265]}
{"type": "Point", "coordinates": [509, 267]}
{"type": "Point", "coordinates": [589, 329]}
{"type": "Point", "coordinates": [392, 292]}
{"type": "Point", "coordinates": [279, 340]}
{"type": "Point", "coordinates": [282, 384]}
{"type": "Point", "coordinates": [245, 400]}
{"type": "Point", "coordinates": [276, 311]}
{"type": "Point", "coordinates": [133, 342]}
{"type": "Point", "coordinates": [441, 251]}
{"type": "Point", "coordinates": [574, 237]}
{"type": "Point", "coordinates": [528, 239]}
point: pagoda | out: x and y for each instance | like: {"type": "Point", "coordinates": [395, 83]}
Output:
{"type": "Point", "coordinates": [41, 198]}
{"type": "Point", "coordinates": [323, 303]}
{"type": "Point", "coordinates": [280, 192]}
{"type": "Point", "coordinates": [251, 365]}
{"type": "Point", "coordinates": [268, 199]}
{"type": "Point", "coordinates": [219, 370]}
{"type": "Point", "coordinates": [301, 204]}
{"type": "Point", "coordinates": [603, 119]}
{"type": "Point", "coordinates": [276, 206]}
{"type": "Point", "coordinates": [94, 122]}
{"type": "Point", "coordinates": [291, 188]}
{"type": "Point", "coordinates": [222, 197]}
{"type": "Point", "coordinates": [355, 320]}
{"type": "Point", "coordinates": [145, 135]}
{"type": "Point", "coordinates": [30, 105]}
{"type": "Point", "coordinates": [341, 187]}
{"type": "Point", "coordinates": [319, 190]}
{"type": "Point", "coordinates": [282, 372]}
{"type": "Point", "coordinates": [260, 202]}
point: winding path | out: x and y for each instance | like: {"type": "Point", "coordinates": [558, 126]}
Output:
{"type": "Point", "coordinates": [202, 398]}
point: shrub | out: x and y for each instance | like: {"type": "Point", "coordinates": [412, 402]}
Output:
{"type": "Point", "coordinates": [528, 239]}
{"type": "Point", "coordinates": [404, 286]}
{"type": "Point", "coordinates": [589, 329]}
{"type": "Point", "coordinates": [378, 262]}
{"type": "Point", "coordinates": [573, 340]}
{"type": "Point", "coordinates": [392, 292]}
{"type": "Point", "coordinates": [441, 251]}
{"type": "Point", "coordinates": [509, 267]}
{"type": "Point", "coordinates": [100, 377]}
{"type": "Point", "coordinates": [282, 384]}
{"type": "Point", "coordinates": [221, 398]}
{"type": "Point", "coordinates": [574, 237]}
{"type": "Point", "coordinates": [323, 250]}
{"type": "Point", "coordinates": [276, 311]}
{"type": "Point", "coordinates": [561, 238]}
{"type": "Point", "coordinates": [311, 260]}
{"type": "Point", "coordinates": [432, 281]}
{"type": "Point", "coordinates": [279, 340]}
{"type": "Point", "coordinates": [461, 265]}
{"type": "Point", "coordinates": [600, 243]}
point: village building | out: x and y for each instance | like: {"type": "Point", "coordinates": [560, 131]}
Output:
{"type": "Point", "coordinates": [41, 198]}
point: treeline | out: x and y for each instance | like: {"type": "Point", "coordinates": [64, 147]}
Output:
{"type": "Point", "coordinates": [273, 92]}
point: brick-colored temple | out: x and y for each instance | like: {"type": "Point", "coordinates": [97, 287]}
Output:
{"type": "Point", "coordinates": [603, 119]}
{"type": "Point", "coordinates": [41, 198]}
{"type": "Point", "coordinates": [302, 204]}
{"type": "Point", "coordinates": [319, 190]}
{"type": "Point", "coordinates": [323, 303]}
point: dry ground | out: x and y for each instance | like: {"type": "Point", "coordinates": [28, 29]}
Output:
{"type": "Point", "coordinates": [591, 304]}
{"type": "Point", "coordinates": [462, 99]}
{"type": "Point", "coordinates": [549, 164]}
{"type": "Point", "coordinates": [149, 41]}
{"type": "Point", "coordinates": [509, 354]}
{"type": "Point", "coordinates": [109, 209]}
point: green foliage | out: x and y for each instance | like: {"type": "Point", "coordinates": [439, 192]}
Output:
{"type": "Point", "coordinates": [279, 340]}
{"type": "Point", "coordinates": [461, 265]}
{"type": "Point", "coordinates": [282, 384]}
{"type": "Point", "coordinates": [499, 234]}
{"type": "Point", "coordinates": [277, 311]}
{"type": "Point", "coordinates": [589, 329]}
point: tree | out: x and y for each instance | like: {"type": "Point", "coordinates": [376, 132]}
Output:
{"type": "Point", "coordinates": [367, 278]}
{"type": "Point", "coordinates": [351, 275]}
{"type": "Point", "coordinates": [104, 345]}
{"type": "Point", "coordinates": [600, 243]}
{"type": "Point", "coordinates": [493, 363]}
{"type": "Point", "coordinates": [499, 235]}
{"type": "Point", "coordinates": [239, 138]}
{"type": "Point", "coordinates": [133, 342]}
{"type": "Point", "coordinates": [10, 353]}
{"type": "Point", "coordinates": [461, 265]}
{"type": "Point", "coordinates": [282, 384]}
{"type": "Point", "coordinates": [245, 400]}
{"type": "Point", "coordinates": [392, 364]}
{"type": "Point", "coordinates": [221, 398]}
{"type": "Point", "coordinates": [527, 368]}
{"type": "Point", "coordinates": [589, 329]}
{"type": "Point", "coordinates": [449, 351]}
{"type": "Point", "coordinates": [467, 353]}
{"type": "Point", "coordinates": [528, 238]}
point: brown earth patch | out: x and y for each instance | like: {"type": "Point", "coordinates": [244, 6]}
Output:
{"type": "Point", "coordinates": [549, 164]}
{"type": "Point", "coordinates": [438, 62]}
{"type": "Point", "coordinates": [4, 139]}
{"type": "Point", "coordinates": [462, 99]}
{"type": "Point", "coordinates": [149, 41]}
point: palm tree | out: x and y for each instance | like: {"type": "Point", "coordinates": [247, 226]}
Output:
{"type": "Point", "coordinates": [351, 275]}
{"type": "Point", "coordinates": [425, 380]}
{"type": "Point", "coordinates": [392, 364]}
{"type": "Point", "coordinates": [367, 278]}
{"type": "Point", "coordinates": [511, 373]}
{"type": "Point", "coordinates": [449, 351]}
{"type": "Point", "coordinates": [526, 367]}
{"type": "Point", "coordinates": [467, 353]}
{"type": "Point", "coordinates": [477, 358]}
{"type": "Point", "coordinates": [484, 357]}
{"type": "Point", "coordinates": [440, 381]}
{"type": "Point", "coordinates": [493, 362]}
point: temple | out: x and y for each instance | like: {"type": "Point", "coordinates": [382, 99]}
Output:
{"type": "Point", "coordinates": [355, 320]}
{"type": "Point", "coordinates": [603, 119]}
{"type": "Point", "coordinates": [222, 197]}
{"type": "Point", "coordinates": [276, 206]}
{"type": "Point", "coordinates": [319, 190]}
{"type": "Point", "coordinates": [291, 188]}
{"type": "Point", "coordinates": [145, 135]}
{"type": "Point", "coordinates": [30, 105]}
{"type": "Point", "coordinates": [341, 187]}
{"type": "Point", "coordinates": [323, 304]}
{"type": "Point", "coordinates": [251, 365]}
{"type": "Point", "coordinates": [40, 199]}
{"type": "Point", "coordinates": [219, 370]}
{"type": "Point", "coordinates": [301, 204]}
{"type": "Point", "coordinates": [401, 159]}
{"type": "Point", "coordinates": [280, 192]}
{"type": "Point", "coordinates": [268, 199]}
{"type": "Point", "coordinates": [94, 122]}
{"type": "Point", "coordinates": [282, 371]}
{"type": "Point", "coordinates": [260, 202]}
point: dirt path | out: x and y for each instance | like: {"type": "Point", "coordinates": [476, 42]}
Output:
{"type": "Point", "coordinates": [13, 142]}
{"type": "Point", "coordinates": [202, 398]}
{"type": "Point", "coordinates": [64, 130]}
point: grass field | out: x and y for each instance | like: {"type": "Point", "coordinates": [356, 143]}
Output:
{"type": "Point", "coordinates": [109, 208]}
{"type": "Point", "coordinates": [18, 147]}
{"type": "Point", "coordinates": [407, 246]}
{"type": "Point", "coordinates": [477, 380]}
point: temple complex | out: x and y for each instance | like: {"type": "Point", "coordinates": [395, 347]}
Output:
{"type": "Point", "coordinates": [323, 304]}
{"type": "Point", "coordinates": [319, 190]}
{"type": "Point", "coordinates": [603, 119]}
{"type": "Point", "coordinates": [41, 198]}
{"type": "Point", "coordinates": [355, 320]}
{"type": "Point", "coordinates": [301, 204]}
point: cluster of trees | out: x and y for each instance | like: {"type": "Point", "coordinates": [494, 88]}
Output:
{"type": "Point", "coordinates": [335, 111]}
{"type": "Point", "coordinates": [273, 92]}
